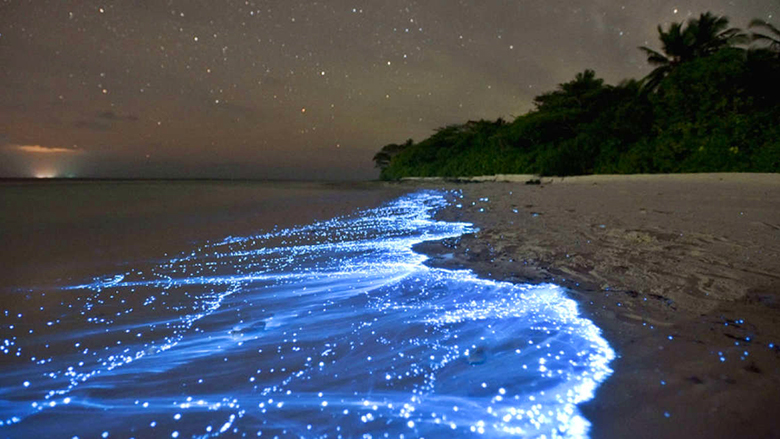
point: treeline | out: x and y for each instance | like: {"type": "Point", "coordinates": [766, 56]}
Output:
{"type": "Point", "coordinates": [710, 105]}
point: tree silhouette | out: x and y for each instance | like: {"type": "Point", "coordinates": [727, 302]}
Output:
{"type": "Point", "coordinates": [572, 94]}
{"type": "Point", "coordinates": [715, 110]}
{"type": "Point", "coordinates": [773, 41]}
{"type": "Point", "coordinates": [711, 33]}
{"type": "Point", "coordinates": [383, 157]}
{"type": "Point", "coordinates": [697, 38]}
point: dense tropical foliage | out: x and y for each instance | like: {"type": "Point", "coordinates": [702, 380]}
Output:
{"type": "Point", "coordinates": [710, 105]}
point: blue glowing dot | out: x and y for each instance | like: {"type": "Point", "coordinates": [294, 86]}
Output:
{"type": "Point", "coordinates": [667, 415]}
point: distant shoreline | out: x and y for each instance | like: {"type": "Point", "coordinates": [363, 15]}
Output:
{"type": "Point", "coordinates": [598, 178]}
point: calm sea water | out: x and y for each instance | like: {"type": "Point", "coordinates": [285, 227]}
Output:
{"type": "Point", "coordinates": [52, 230]}
{"type": "Point", "coordinates": [331, 329]}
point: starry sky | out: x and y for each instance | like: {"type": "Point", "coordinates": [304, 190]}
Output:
{"type": "Point", "coordinates": [291, 89]}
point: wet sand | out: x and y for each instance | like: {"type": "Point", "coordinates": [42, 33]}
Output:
{"type": "Point", "coordinates": [681, 272]}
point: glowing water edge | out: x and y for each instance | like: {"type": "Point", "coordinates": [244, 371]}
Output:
{"type": "Point", "coordinates": [335, 329]}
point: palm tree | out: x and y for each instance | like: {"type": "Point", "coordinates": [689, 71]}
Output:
{"type": "Point", "coordinates": [697, 38]}
{"type": "Point", "coordinates": [385, 155]}
{"type": "Point", "coordinates": [675, 50]}
{"type": "Point", "coordinates": [712, 33]}
{"type": "Point", "coordinates": [772, 40]}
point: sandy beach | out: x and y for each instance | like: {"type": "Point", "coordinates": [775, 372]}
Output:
{"type": "Point", "coordinates": [681, 272]}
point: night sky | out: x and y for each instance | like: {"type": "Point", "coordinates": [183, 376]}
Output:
{"type": "Point", "coordinates": [289, 88]}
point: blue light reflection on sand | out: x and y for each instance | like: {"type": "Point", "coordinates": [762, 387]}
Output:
{"type": "Point", "coordinates": [334, 329]}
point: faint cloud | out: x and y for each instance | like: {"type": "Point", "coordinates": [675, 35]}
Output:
{"type": "Point", "coordinates": [110, 115]}
{"type": "Point", "coordinates": [91, 125]}
{"type": "Point", "coordinates": [38, 149]}
{"type": "Point", "coordinates": [103, 121]}
{"type": "Point", "coordinates": [237, 109]}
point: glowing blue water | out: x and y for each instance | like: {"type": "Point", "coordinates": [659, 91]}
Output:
{"type": "Point", "coordinates": [336, 329]}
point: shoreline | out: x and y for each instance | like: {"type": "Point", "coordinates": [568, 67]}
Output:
{"type": "Point", "coordinates": [680, 272]}
{"type": "Point", "coordinates": [599, 178]}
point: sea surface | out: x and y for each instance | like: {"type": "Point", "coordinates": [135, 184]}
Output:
{"type": "Point", "coordinates": [332, 328]}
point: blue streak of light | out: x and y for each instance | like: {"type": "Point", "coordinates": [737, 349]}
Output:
{"type": "Point", "coordinates": [335, 328]}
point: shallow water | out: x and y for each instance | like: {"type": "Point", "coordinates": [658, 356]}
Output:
{"type": "Point", "coordinates": [336, 329]}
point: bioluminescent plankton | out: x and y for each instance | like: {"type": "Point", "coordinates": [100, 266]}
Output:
{"type": "Point", "coordinates": [334, 329]}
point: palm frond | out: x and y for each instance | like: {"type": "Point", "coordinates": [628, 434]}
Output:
{"type": "Point", "coordinates": [733, 36]}
{"type": "Point", "coordinates": [773, 42]}
{"type": "Point", "coordinates": [650, 83]}
{"type": "Point", "coordinates": [653, 57]}
{"type": "Point", "coordinates": [761, 37]}
{"type": "Point", "coordinates": [765, 24]}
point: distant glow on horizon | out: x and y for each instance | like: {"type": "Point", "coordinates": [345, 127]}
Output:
{"type": "Point", "coordinates": [38, 149]}
{"type": "Point", "coordinates": [45, 175]}
{"type": "Point", "coordinates": [43, 162]}
{"type": "Point", "coordinates": [334, 328]}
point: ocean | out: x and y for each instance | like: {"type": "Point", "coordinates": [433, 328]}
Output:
{"type": "Point", "coordinates": [218, 309]}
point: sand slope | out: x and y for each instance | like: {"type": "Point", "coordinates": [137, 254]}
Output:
{"type": "Point", "coordinates": [682, 272]}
